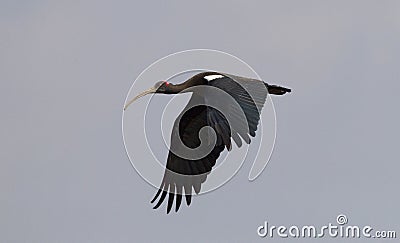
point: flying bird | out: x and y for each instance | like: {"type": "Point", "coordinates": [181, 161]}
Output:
{"type": "Point", "coordinates": [230, 105]}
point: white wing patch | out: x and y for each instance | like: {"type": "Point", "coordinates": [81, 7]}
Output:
{"type": "Point", "coordinates": [212, 77]}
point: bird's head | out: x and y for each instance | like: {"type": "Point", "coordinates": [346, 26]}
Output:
{"type": "Point", "coordinates": [159, 87]}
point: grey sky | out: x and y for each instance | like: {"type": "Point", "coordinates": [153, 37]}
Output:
{"type": "Point", "coordinates": [66, 67]}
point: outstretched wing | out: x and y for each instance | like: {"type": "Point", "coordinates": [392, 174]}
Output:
{"type": "Point", "coordinates": [244, 115]}
{"type": "Point", "coordinates": [237, 120]}
{"type": "Point", "coordinates": [184, 173]}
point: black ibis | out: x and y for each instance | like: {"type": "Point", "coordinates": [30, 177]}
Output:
{"type": "Point", "coordinates": [230, 105]}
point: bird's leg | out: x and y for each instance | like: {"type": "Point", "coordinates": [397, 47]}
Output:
{"type": "Point", "coordinates": [277, 90]}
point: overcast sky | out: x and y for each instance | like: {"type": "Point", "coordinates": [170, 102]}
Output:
{"type": "Point", "coordinates": [66, 68]}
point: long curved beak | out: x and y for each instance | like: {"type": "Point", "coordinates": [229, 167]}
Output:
{"type": "Point", "coordinates": [148, 91]}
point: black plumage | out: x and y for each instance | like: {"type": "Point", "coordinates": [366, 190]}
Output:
{"type": "Point", "coordinates": [235, 119]}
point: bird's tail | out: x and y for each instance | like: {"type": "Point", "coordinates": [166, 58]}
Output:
{"type": "Point", "coordinates": [277, 90]}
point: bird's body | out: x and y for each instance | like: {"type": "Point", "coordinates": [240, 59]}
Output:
{"type": "Point", "coordinates": [229, 105]}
